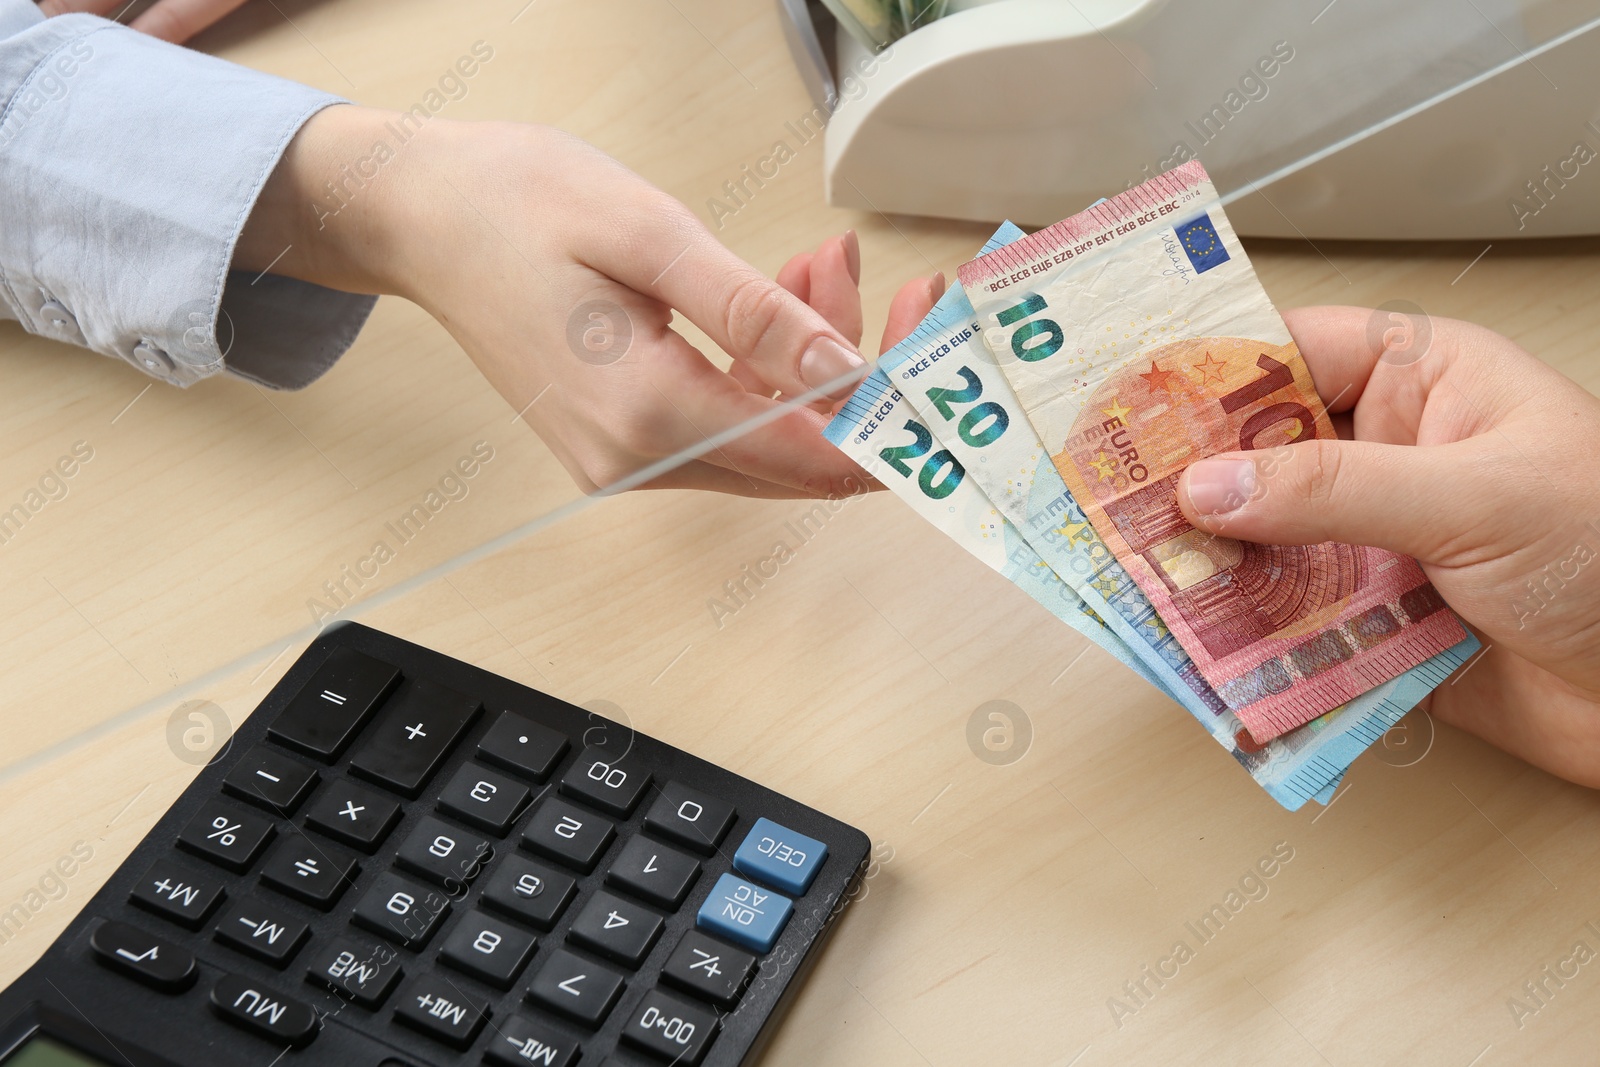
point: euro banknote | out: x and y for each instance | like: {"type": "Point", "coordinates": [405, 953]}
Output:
{"type": "Point", "coordinates": [1138, 339]}
{"type": "Point", "coordinates": [946, 374]}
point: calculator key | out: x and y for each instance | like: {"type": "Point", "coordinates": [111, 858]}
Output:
{"type": "Point", "coordinates": [260, 930]}
{"type": "Point", "coordinates": [522, 746]}
{"type": "Point", "coordinates": [671, 1028]}
{"type": "Point", "coordinates": [570, 985]}
{"type": "Point", "coordinates": [324, 716]}
{"type": "Point", "coordinates": [401, 910]}
{"type": "Point", "coordinates": [483, 798]}
{"type": "Point", "coordinates": [309, 871]}
{"type": "Point", "coordinates": [519, 1041]}
{"type": "Point", "coordinates": [354, 815]}
{"type": "Point", "coordinates": [689, 818]}
{"type": "Point", "coordinates": [413, 735]}
{"type": "Point", "coordinates": [780, 857]}
{"type": "Point", "coordinates": [709, 969]}
{"type": "Point", "coordinates": [175, 894]}
{"type": "Point", "coordinates": [264, 1011]}
{"type": "Point", "coordinates": [439, 1008]}
{"type": "Point", "coordinates": [362, 973]}
{"type": "Point", "coordinates": [143, 957]}
{"type": "Point", "coordinates": [529, 891]}
{"type": "Point", "coordinates": [653, 872]}
{"type": "Point", "coordinates": [567, 833]}
{"type": "Point", "coordinates": [743, 913]}
{"type": "Point", "coordinates": [441, 853]}
{"type": "Point", "coordinates": [488, 949]}
{"type": "Point", "coordinates": [227, 836]}
{"type": "Point", "coordinates": [269, 779]}
{"type": "Point", "coordinates": [616, 929]}
{"type": "Point", "coordinates": [613, 787]}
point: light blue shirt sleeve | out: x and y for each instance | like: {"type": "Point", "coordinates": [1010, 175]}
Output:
{"type": "Point", "coordinates": [127, 170]}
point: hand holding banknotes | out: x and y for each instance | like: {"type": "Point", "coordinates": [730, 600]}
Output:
{"type": "Point", "coordinates": [511, 234]}
{"type": "Point", "coordinates": [1478, 460]}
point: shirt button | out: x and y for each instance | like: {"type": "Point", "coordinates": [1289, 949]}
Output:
{"type": "Point", "coordinates": [152, 358]}
{"type": "Point", "coordinates": [57, 317]}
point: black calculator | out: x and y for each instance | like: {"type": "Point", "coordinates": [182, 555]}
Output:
{"type": "Point", "coordinates": [402, 860]}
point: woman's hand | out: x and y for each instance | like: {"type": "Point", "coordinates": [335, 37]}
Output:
{"type": "Point", "coordinates": [170, 20]}
{"type": "Point", "coordinates": [1484, 464]}
{"type": "Point", "coordinates": [558, 270]}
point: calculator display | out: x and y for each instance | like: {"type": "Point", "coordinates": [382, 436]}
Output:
{"type": "Point", "coordinates": [43, 1052]}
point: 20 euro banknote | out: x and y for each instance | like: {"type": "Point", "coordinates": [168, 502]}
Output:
{"type": "Point", "coordinates": [1138, 339]}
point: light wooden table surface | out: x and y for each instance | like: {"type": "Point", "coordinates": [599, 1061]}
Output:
{"type": "Point", "coordinates": [1011, 903]}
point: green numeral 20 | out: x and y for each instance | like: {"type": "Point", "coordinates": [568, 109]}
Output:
{"type": "Point", "coordinates": [990, 411]}
{"type": "Point", "coordinates": [940, 473]}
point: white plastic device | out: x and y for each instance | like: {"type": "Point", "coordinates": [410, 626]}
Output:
{"type": "Point", "coordinates": [1343, 119]}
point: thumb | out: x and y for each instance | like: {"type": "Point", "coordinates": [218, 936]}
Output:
{"type": "Point", "coordinates": [1405, 498]}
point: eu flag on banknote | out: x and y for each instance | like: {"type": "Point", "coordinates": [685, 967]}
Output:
{"type": "Point", "coordinates": [1200, 241]}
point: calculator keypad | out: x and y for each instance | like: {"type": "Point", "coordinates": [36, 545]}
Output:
{"type": "Point", "coordinates": [369, 849]}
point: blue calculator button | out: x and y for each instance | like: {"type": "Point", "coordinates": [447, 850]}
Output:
{"type": "Point", "coordinates": [780, 857]}
{"type": "Point", "coordinates": [745, 914]}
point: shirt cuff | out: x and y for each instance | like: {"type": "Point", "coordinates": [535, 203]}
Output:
{"type": "Point", "coordinates": [128, 168]}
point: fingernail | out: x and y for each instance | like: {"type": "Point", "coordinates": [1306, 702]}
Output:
{"type": "Point", "coordinates": [852, 254]}
{"type": "Point", "coordinates": [936, 285]}
{"type": "Point", "coordinates": [1220, 486]}
{"type": "Point", "coordinates": [826, 360]}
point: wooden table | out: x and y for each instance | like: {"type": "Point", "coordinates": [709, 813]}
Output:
{"type": "Point", "coordinates": [1012, 904]}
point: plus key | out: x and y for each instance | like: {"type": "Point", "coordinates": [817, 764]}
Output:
{"type": "Point", "coordinates": [411, 738]}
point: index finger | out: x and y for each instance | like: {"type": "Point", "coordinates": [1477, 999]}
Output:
{"type": "Point", "coordinates": [669, 255]}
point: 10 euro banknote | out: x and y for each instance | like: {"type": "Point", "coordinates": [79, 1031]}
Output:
{"type": "Point", "coordinates": [1137, 339]}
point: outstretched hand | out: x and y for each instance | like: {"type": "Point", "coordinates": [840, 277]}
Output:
{"type": "Point", "coordinates": [1480, 461]}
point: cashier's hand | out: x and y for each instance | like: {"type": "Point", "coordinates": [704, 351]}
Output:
{"type": "Point", "coordinates": [558, 270]}
{"type": "Point", "coordinates": [1483, 463]}
{"type": "Point", "coordinates": [170, 20]}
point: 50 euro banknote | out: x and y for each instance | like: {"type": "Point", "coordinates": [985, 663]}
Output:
{"type": "Point", "coordinates": [1138, 339]}
{"type": "Point", "coordinates": [948, 376]}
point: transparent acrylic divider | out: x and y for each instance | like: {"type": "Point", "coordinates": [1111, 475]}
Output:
{"type": "Point", "coordinates": [421, 500]}
{"type": "Point", "coordinates": [218, 528]}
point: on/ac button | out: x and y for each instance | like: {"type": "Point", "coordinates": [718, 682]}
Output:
{"type": "Point", "coordinates": [780, 857]}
